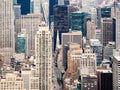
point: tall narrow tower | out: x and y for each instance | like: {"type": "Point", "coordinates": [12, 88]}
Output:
{"type": "Point", "coordinates": [43, 53]}
{"type": "Point", "coordinates": [6, 29]}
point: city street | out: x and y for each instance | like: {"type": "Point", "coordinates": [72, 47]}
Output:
{"type": "Point", "coordinates": [56, 73]}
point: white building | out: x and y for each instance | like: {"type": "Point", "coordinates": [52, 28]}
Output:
{"type": "Point", "coordinates": [7, 29]}
{"type": "Point", "coordinates": [43, 54]}
{"type": "Point", "coordinates": [88, 62]}
{"type": "Point", "coordinates": [11, 82]}
{"type": "Point", "coordinates": [26, 75]}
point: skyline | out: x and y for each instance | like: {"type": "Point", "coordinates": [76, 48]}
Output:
{"type": "Point", "coordinates": [59, 44]}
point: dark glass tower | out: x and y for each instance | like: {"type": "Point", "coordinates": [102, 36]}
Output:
{"type": "Point", "coordinates": [61, 21]}
{"type": "Point", "coordinates": [25, 6]}
{"type": "Point", "coordinates": [51, 10]}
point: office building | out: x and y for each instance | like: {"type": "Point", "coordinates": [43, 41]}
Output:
{"type": "Point", "coordinates": [108, 30]}
{"type": "Point", "coordinates": [68, 38]}
{"type": "Point", "coordinates": [108, 50]}
{"type": "Point", "coordinates": [11, 82]}
{"type": "Point", "coordinates": [52, 3]}
{"type": "Point", "coordinates": [43, 54]}
{"type": "Point", "coordinates": [104, 12]}
{"type": "Point", "coordinates": [17, 11]}
{"type": "Point", "coordinates": [30, 23]}
{"type": "Point", "coordinates": [73, 55]}
{"type": "Point", "coordinates": [21, 43]}
{"type": "Point", "coordinates": [97, 49]}
{"type": "Point", "coordinates": [73, 37]}
{"type": "Point", "coordinates": [118, 29]}
{"type": "Point", "coordinates": [26, 75]}
{"type": "Point", "coordinates": [88, 61]}
{"type": "Point", "coordinates": [25, 6]}
{"type": "Point", "coordinates": [116, 69]}
{"type": "Point", "coordinates": [91, 28]}
{"type": "Point", "coordinates": [78, 21]}
{"type": "Point", "coordinates": [61, 22]}
{"type": "Point", "coordinates": [7, 42]}
{"type": "Point", "coordinates": [89, 82]}
{"type": "Point", "coordinates": [37, 6]}
{"type": "Point", "coordinates": [71, 10]}
{"type": "Point", "coordinates": [105, 80]}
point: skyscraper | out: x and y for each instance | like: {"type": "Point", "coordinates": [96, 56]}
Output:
{"type": "Point", "coordinates": [108, 30]}
{"type": "Point", "coordinates": [78, 21]}
{"type": "Point", "coordinates": [116, 69]}
{"type": "Point", "coordinates": [118, 29]}
{"type": "Point", "coordinates": [30, 23]}
{"type": "Point", "coordinates": [52, 3]}
{"type": "Point", "coordinates": [25, 6]}
{"type": "Point", "coordinates": [7, 43]}
{"type": "Point", "coordinates": [43, 53]}
{"type": "Point", "coordinates": [61, 22]}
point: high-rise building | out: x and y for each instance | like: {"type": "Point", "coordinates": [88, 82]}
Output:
{"type": "Point", "coordinates": [61, 22]}
{"type": "Point", "coordinates": [72, 37]}
{"type": "Point", "coordinates": [108, 50]}
{"type": "Point", "coordinates": [91, 28]}
{"type": "Point", "coordinates": [104, 12]}
{"type": "Point", "coordinates": [118, 29]}
{"type": "Point", "coordinates": [88, 61]}
{"type": "Point", "coordinates": [105, 80]}
{"type": "Point", "coordinates": [97, 49]}
{"type": "Point", "coordinates": [26, 75]}
{"type": "Point", "coordinates": [108, 30]}
{"type": "Point", "coordinates": [52, 3]}
{"type": "Point", "coordinates": [21, 43]}
{"type": "Point", "coordinates": [78, 21]}
{"type": "Point", "coordinates": [17, 11]}
{"type": "Point", "coordinates": [30, 23]}
{"type": "Point", "coordinates": [25, 6]}
{"type": "Point", "coordinates": [67, 38]}
{"type": "Point", "coordinates": [7, 42]}
{"type": "Point", "coordinates": [116, 69]}
{"type": "Point", "coordinates": [11, 82]}
{"type": "Point", "coordinates": [37, 6]}
{"type": "Point", "coordinates": [74, 56]}
{"type": "Point", "coordinates": [43, 54]}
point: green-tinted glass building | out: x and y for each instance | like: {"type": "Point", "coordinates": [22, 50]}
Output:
{"type": "Point", "coordinates": [21, 44]}
{"type": "Point", "coordinates": [78, 21]}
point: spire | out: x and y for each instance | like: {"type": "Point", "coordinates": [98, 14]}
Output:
{"type": "Point", "coordinates": [57, 43]}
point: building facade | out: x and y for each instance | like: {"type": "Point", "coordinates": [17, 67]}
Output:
{"type": "Point", "coordinates": [30, 23]}
{"type": "Point", "coordinates": [118, 29]}
{"type": "Point", "coordinates": [61, 22]}
{"type": "Point", "coordinates": [25, 6]}
{"type": "Point", "coordinates": [116, 69]}
{"type": "Point", "coordinates": [7, 42]}
{"type": "Point", "coordinates": [43, 54]}
{"type": "Point", "coordinates": [108, 30]}
{"type": "Point", "coordinates": [11, 82]}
